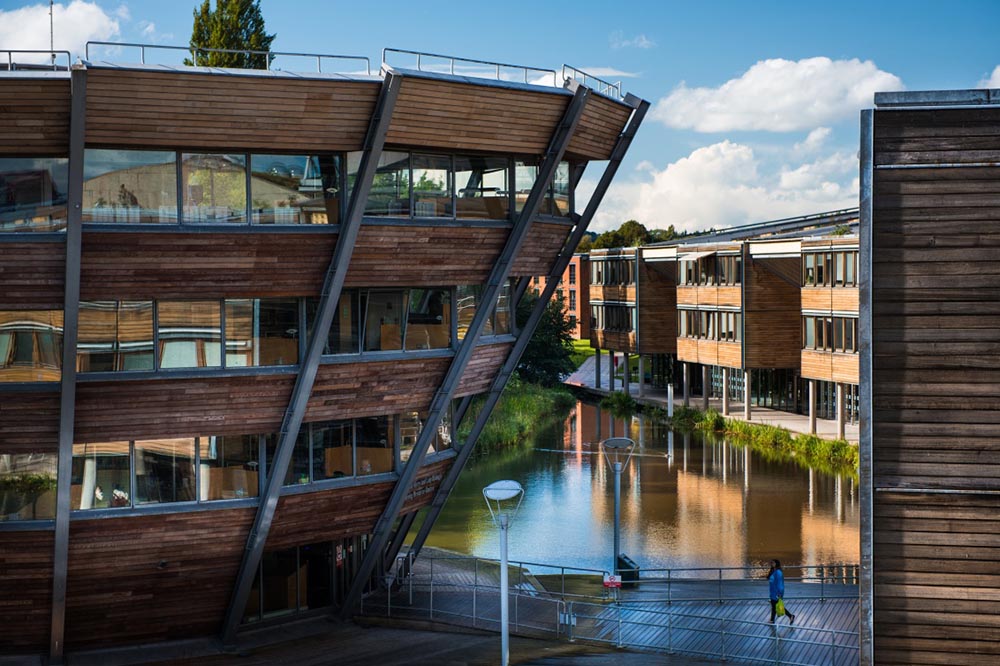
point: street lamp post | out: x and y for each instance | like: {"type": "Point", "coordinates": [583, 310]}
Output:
{"type": "Point", "coordinates": [617, 453]}
{"type": "Point", "coordinates": [496, 494]}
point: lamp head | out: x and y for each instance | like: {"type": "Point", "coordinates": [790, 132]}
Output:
{"type": "Point", "coordinates": [618, 449]}
{"type": "Point", "coordinates": [499, 496]}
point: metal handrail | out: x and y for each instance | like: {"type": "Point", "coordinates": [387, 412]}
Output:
{"type": "Point", "coordinates": [12, 66]}
{"type": "Point", "coordinates": [604, 87]}
{"type": "Point", "coordinates": [195, 51]}
{"type": "Point", "coordinates": [453, 59]}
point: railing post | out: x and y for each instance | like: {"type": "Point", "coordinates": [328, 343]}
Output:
{"type": "Point", "coordinates": [720, 585]}
{"type": "Point", "coordinates": [475, 597]}
{"type": "Point", "coordinates": [669, 598]}
{"type": "Point", "coordinates": [724, 639]}
{"type": "Point", "coordinates": [388, 596]}
{"type": "Point", "coordinates": [619, 625]}
{"type": "Point", "coordinates": [516, 597]}
{"type": "Point", "coordinates": [670, 632]}
{"type": "Point", "coordinates": [777, 646]}
{"type": "Point", "coordinates": [822, 583]}
{"type": "Point", "coordinates": [569, 622]}
{"type": "Point", "coordinates": [562, 579]}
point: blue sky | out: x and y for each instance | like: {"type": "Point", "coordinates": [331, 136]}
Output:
{"type": "Point", "coordinates": [755, 104]}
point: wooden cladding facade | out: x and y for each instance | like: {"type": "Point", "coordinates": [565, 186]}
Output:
{"type": "Point", "coordinates": [727, 296]}
{"type": "Point", "coordinates": [35, 116]}
{"type": "Point", "coordinates": [842, 300]}
{"type": "Point", "coordinates": [145, 108]}
{"type": "Point", "coordinates": [772, 317]}
{"type": "Point", "coordinates": [935, 350]}
{"type": "Point", "coordinates": [710, 352]}
{"type": "Point", "coordinates": [829, 366]}
{"type": "Point", "coordinates": [656, 303]}
{"type": "Point", "coordinates": [29, 421]}
{"type": "Point", "coordinates": [26, 585]}
{"type": "Point", "coordinates": [602, 121]}
{"type": "Point", "coordinates": [32, 275]}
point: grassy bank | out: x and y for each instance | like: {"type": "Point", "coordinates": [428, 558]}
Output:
{"type": "Point", "coordinates": [834, 456]}
{"type": "Point", "coordinates": [523, 410]}
{"type": "Point", "coordinates": [581, 352]}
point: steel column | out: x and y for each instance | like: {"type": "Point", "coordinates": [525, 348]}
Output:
{"type": "Point", "coordinates": [865, 487]}
{"type": "Point", "coordinates": [500, 381]}
{"type": "Point", "coordinates": [442, 398]}
{"type": "Point", "coordinates": [71, 319]}
{"type": "Point", "coordinates": [299, 399]}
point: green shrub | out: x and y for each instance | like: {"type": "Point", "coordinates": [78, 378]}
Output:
{"type": "Point", "coordinates": [620, 404]}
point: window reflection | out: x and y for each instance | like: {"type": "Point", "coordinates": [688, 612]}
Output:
{"type": "Point", "coordinates": [31, 345]}
{"type": "Point", "coordinates": [129, 186]}
{"type": "Point", "coordinates": [189, 334]}
{"type": "Point", "coordinates": [332, 450]}
{"type": "Point", "coordinates": [412, 424]}
{"type": "Point", "coordinates": [432, 186]}
{"type": "Point", "coordinates": [384, 321]}
{"type": "Point", "coordinates": [560, 190]}
{"type": "Point", "coordinates": [501, 315]}
{"type": "Point", "coordinates": [33, 193]}
{"type": "Point", "coordinates": [374, 445]}
{"type": "Point", "coordinates": [466, 297]}
{"type": "Point", "coordinates": [390, 191]}
{"type": "Point", "coordinates": [229, 467]}
{"type": "Point", "coordinates": [344, 329]}
{"type": "Point", "coordinates": [28, 486]}
{"type": "Point", "coordinates": [101, 476]}
{"type": "Point", "coordinates": [214, 188]}
{"type": "Point", "coordinates": [481, 188]}
{"type": "Point", "coordinates": [428, 324]}
{"type": "Point", "coordinates": [164, 471]}
{"type": "Point", "coordinates": [262, 331]}
{"type": "Point", "coordinates": [295, 189]}
{"type": "Point", "coordinates": [115, 336]}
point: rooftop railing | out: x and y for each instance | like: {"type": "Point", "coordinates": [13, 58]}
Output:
{"type": "Point", "coordinates": [443, 64]}
{"type": "Point", "coordinates": [600, 85]}
{"type": "Point", "coordinates": [196, 52]}
{"type": "Point", "coordinates": [13, 65]}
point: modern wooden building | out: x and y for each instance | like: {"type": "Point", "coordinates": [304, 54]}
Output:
{"type": "Point", "coordinates": [239, 313]}
{"type": "Point", "coordinates": [930, 352]}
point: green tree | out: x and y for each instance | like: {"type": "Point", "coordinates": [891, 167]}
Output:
{"type": "Point", "coordinates": [233, 24]}
{"type": "Point", "coordinates": [547, 358]}
{"type": "Point", "coordinates": [662, 235]}
{"type": "Point", "coordinates": [633, 234]}
{"type": "Point", "coordinates": [586, 243]}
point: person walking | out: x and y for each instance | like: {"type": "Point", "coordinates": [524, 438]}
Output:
{"type": "Point", "coordinates": [776, 589]}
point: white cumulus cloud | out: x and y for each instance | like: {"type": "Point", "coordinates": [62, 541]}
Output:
{"type": "Point", "coordinates": [813, 142]}
{"type": "Point", "coordinates": [725, 184]}
{"type": "Point", "coordinates": [619, 41]}
{"type": "Point", "coordinates": [779, 96]}
{"type": "Point", "coordinates": [991, 81]}
{"type": "Point", "coordinates": [74, 24]}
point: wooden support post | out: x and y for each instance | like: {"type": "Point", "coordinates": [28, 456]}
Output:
{"type": "Point", "coordinates": [597, 368]}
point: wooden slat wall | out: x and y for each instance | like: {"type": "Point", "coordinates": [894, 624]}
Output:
{"type": "Point", "coordinates": [935, 354]}
{"type": "Point", "coordinates": [619, 341]}
{"type": "Point", "coordinates": [619, 293]}
{"type": "Point", "coordinates": [449, 115]}
{"type": "Point", "coordinates": [602, 121]}
{"type": "Point", "coordinates": [657, 308]}
{"type": "Point", "coordinates": [731, 354]}
{"type": "Point", "coordinates": [226, 112]}
{"type": "Point", "coordinates": [830, 299]}
{"type": "Point", "coordinates": [483, 368]}
{"type": "Point", "coordinates": [34, 116]}
{"type": "Point", "coordinates": [772, 317]}
{"type": "Point", "coordinates": [725, 296]}
{"type": "Point", "coordinates": [143, 266]}
{"type": "Point", "coordinates": [373, 389]}
{"type": "Point", "coordinates": [25, 591]}
{"type": "Point", "coordinates": [830, 367]}
{"type": "Point", "coordinates": [29, 422]}
{"type": "Point", "coordinates": [32, 275]}
{"type": "Point", "coordinates": [344, 512]}
{"type": "Point", "coordinates": [540, 249]}
{"type": "Point", "coordinates": [152, 578]}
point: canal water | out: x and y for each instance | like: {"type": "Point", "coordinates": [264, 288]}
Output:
{"type": "Point", "coordinates": [687, 501]}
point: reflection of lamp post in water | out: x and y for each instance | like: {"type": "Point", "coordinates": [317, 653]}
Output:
{"type": "Point", "coordinates": [495, 493]}
{"type": "Point", "coordinates": [620, 449]}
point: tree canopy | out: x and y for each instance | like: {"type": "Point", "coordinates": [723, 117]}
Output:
{"type": "Point", "coordinates": [633, 234]}
{"type": "Point", "coordinates": [233, 24]}
{"type": "Point", "coordinates": [546, 359]}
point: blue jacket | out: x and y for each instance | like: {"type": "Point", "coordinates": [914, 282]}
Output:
{"type": "Point", "coordinates": [776, 584]}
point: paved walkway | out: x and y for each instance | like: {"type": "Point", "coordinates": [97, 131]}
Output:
{"type": "Point", "coordinates": [826, 428]}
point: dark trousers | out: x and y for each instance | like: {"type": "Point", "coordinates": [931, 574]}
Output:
{"type": "Point", "coordinates": [774, 610]}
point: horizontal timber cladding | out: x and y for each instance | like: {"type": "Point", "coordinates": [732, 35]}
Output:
{"type": "Point", "coordinates": [602, 121]}
{"type": "Point", "coordinates": [540, 248]}
{"type": "Point", "coordinates": [936, 578]}
{"type": "Point", "coordinates": [619, 341]}
{"type": "Point", "coordinates": [656, 308]}
{"type": "Point", "coordinates": [226, 111]}
{"type": "Point", "coordinates": [32, 275]}
{"type": "Point", "coordinates": [35, 116]}
{"type": "Point", "coordinates": [435, 113]}
{"type": "Point", "coordinates": [348, 390]}
{"type": "Point", "coordinates": [339, 513]}
{"type": "Point", "coordinates": [942, 136]}
{"type": "Point", "coordinates": [25, 591]}
{"type": "Point", "coordinates": [830, 367]}
{"type": "Point", "coordinates": [726, 296]}
{"type": "Point", "coordinates": [29, 421]}
{"type": "Point", "coordinates": [483, 368]}
{"type": "Point", "coordinates": [124, 265]}
{"type": "Point", "coordinates": [830, 299]}
{"type": "Point", "coordinates": [772, 316]}
{"type": "Point", "coordinates": [152, 578]}
{"type": "Point", "coordinates": [731, 354]}
{"type": "Point", "coordinates": [616, 293]}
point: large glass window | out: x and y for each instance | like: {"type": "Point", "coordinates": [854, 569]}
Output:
{"type": "Point", "coordinates": [31, 345]}
{"type": "Point", "coordinates": [164, 471]}
{"type": "Point", "coordinates": [501, 314]}
{"type": "Point", "coordinates": [129, 186]}
{"type": "Point", "coordinates": [432, 186]}
{"type": "Point", "coordinates": [390, 192]}
{"type": "Point", "coordinates": [525, 175]}
{"type": "Point", "coordinates": [214, 187]}
{"type": "Point", "coordinates": [481, 188]}
{"type": "Point", "coordinates": [374, 445]}
{"type": "Point", "coordinates": [295, 189]}
{"type": "Point", "coordinates": [115, 336]}
{"type": "Point", "coordinates": [229, 467]}
{"type": "Point", "coordinates": [101, 476]}
{"type": "Point", "coordinates": [384, 321]}
{"type": "Point", "coordinates": [262, 331]}
{"type": "Point", "coordinates": [428, 323]}
{"type": "Point", "coordinates": [33, 193]}
{"type": "Point", "coordinates": [344, 329]}
{"type": "Point", "coordinates": [560, 190]}
{"type": "Point", "coordinates": [298, 467]}
{"type": "Point", "coordinates": [412, 424]}
{"type": "Point", "coordinates": [466, 297]}
{"type": "Point", "coordinates": [332, 450]}
{"type": "Point", "coordinates": [189, 334]}
{"type": "Point", "coordinates": [27, 486]}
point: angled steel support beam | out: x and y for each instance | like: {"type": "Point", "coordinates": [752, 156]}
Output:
{"type": "Point", "coordinates": [463, 406]}
{"type": "Point", "coordinates": [299, 400]}
{"type": "Point", "coordinates": [640, 107]}
{"type": "Point", "coordinates": [376, 551]}
{"type": "Point", "coordinates": [71, 318]}
{"type": "Point", "coordinates": [396, 543]}
{"type": "Point", "coordinates": [519, 289]}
